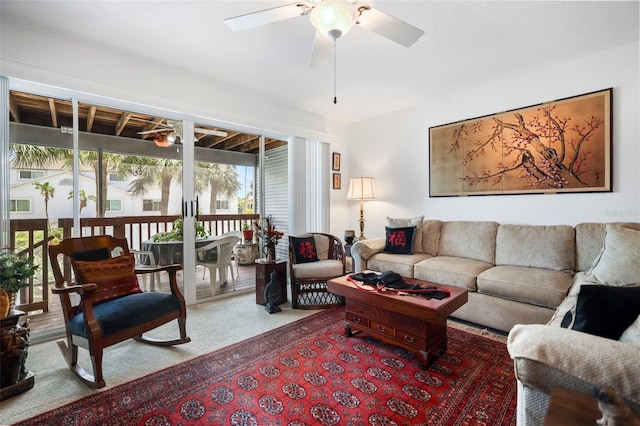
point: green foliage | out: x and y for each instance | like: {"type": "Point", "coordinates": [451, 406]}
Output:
{"type": "Point", "coordinates": [177, 231]}
{"type": "Point", "coordinates": [15, 271]}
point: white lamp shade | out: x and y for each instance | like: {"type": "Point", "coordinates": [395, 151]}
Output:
{"type": "Point", "coordinates": [361, 188]}
{"type": "Point", "coordinates": [334, 18]}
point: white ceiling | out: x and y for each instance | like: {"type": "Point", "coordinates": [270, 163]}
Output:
{"type": "Point", "coordinates": [465, 44]}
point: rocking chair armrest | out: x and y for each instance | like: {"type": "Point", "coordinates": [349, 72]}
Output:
{"type": "Point", "coordinates": [145, 269]}
{"type": "Point", "coordinates": [78, 288]}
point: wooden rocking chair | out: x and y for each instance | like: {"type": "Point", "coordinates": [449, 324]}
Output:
{"type": "Point", "coordinates": [112, 307]}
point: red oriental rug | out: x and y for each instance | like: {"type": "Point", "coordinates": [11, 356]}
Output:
{"type": "Point", "coordinates": [310, 373]}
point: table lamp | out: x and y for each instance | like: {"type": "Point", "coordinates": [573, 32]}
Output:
{"type": "Point", "coordinates": [362, 189]}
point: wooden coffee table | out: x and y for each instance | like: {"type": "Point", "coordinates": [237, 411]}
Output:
{"type": "Point", "coordinates": [416, 323]}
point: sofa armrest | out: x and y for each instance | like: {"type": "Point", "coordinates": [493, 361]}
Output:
{"type": "Point", "coordinates": [588, 358]}
{"type": "Point", "coordinates": [362, 250]}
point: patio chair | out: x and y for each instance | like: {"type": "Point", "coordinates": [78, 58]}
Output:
{"type": "Point", "coordinates": [315, 258]}
{"type": "Point", "coordinates": [112, 307]}
{"type": "Point", "coordinates": [217, 262]}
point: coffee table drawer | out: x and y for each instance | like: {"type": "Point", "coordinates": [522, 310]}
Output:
{"type": "Point", "coordinates": [357, 319]}
{"type": "Point", "coordinates": [410, 339]}
{"type": "Point", "coordinates": [382, 329]}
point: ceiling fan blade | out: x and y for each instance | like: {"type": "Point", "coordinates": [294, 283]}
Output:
{"type": "Point", "coordinates": [388, 26]}
{"type": "Point", "coordinates": [321, 51]}
{"type": "Point", "coordinates": [268, 16]}
{"type": "Point", "coordinates": [211, 132]}
{"type": "Point", "coordinates": [148, 132]}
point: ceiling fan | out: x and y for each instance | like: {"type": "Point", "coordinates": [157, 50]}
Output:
{"type": "Point", "coordinates": [172, 133]}
{"type": "Point", "coordinates": [332, 20]}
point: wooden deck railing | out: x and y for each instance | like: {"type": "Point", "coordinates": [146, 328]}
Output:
{"type": "Point", "coordinates": [36, 296]}
{"type": "Point", "coordinates": [136, 229]}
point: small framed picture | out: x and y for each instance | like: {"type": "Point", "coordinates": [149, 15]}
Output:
{"type": "Point", "coordinates": [337, 181]}
{"type": "Point", "coordinates": [336, 162]}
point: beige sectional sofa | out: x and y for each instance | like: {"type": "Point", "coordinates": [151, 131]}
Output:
{"type": "Point", "coordinates": [523, 279]}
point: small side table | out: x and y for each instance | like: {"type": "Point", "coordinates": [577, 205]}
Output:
{"type": "Point", "coordinates": [263, 274]}
{"type": "Point", "coordinates": [349, 258]}
{"type": "Point", "coordinates": [570, 408]}
{"type": "Point", "coordinates": [16, 336]}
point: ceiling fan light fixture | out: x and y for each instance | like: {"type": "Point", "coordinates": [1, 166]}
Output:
{"type": "Point", "coordinates": [162, 141]}
{"type": "Point", "coordinates": [334, 18]}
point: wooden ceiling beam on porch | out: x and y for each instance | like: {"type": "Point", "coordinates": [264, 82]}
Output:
{"type": "Point", "coordinates": [13, 109]}
{"type": "Point", "coordinates": [124, 119]}
{"type": "Point", "coordinates": [54, 115]}
{"type": "Point", "coordinates": [91, 115]}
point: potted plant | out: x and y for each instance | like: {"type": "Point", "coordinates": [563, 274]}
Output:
{"type": "Point", "coordinates": [15, 272]}
{"type": "Point", "coordinates": [176, 233]}
{"type": "Point", "coordinates": [247, 231]}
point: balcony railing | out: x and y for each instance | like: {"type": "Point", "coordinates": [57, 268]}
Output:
{"type": "Point", "coordinates": [36, 234]}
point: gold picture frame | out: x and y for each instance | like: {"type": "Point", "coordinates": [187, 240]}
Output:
{"type": "Point", "coordinates": [557, 146]}
{"type": "Point", "coordinates": [335, 164]}
{"type": "Point", "coordinates": [337, 181]}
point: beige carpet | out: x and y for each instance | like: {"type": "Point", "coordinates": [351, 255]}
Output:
{"type": "Point", "coordinates": [210, 325]}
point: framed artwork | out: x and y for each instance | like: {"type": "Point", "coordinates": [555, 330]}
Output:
{"type": "Point", "coordinates": [558, 146]}
{"type": "Point", "coordinates": [337, 181]}
{"type": "Point", "coordinates": [336, 162]}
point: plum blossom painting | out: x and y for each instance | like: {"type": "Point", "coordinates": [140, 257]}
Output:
{"type": "Point", "coordinates": [558, 146]}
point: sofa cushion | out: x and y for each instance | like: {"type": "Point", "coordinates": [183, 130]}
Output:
{"type": "Point", "coordinates": [471, 240]}
{"type": "Point", "coordinates": [304, 249]}
{"type": "Point", "coordinates": [456, 271]}
{"type": "Point", "coordinates": [550, 247]}
{"type": "Point", "coordinates": [590, 240]}
{"type": "Point", "coordinates": [320, 269]}
{"type": "Point", "coordinates": [619, 261]}
{"type": "Point", "coordinates": [542, 287]}
{"type": "Point", "coordinates": [430, 231]}
{"type": "Point", "coordinates": [399, 240]}
{"type": "Point", "coordinates": [322, 246]}
{"type": "Point", "coordinates": [403, 265]}
{"type": "Point", "coordinates": [416, 222]}
{"type": "Point", "coordinates": [606, 311]}
{"type": "Point", "coordinates": [126, 312]}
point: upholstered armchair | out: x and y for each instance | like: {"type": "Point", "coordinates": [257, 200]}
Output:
{"type": "Point", "coordinates": [112, 307]}
{"type": "Point", "coordinates": [314, 258]}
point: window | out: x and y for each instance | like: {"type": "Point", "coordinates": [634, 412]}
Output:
{"type": "Point", "coordinates": [114, 205]}
{"type": "Point", "coordinates": [150, 205]}
{"type": "Point", "coordinates": [31, 174]}
{"type": "Point", "coordinates": [113, 177]}
{"type": "Point", "coordinates": [22, 206]}
{"type": "Point", "coordinates": [222, 204]}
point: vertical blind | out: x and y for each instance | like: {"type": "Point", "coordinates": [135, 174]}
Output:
{"type": "Point", "coordinates": [309, 180]}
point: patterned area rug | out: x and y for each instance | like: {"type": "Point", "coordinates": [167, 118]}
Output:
{"type": "Point", "coordinates": [310, 373]}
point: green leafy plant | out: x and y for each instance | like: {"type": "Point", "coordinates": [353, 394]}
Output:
{"type": "Point", "coordinates": [246, 225]}
{"type": "Point", "coordinates": [176, 233]}
{"type": "Point", "coordinates": [15, 271]}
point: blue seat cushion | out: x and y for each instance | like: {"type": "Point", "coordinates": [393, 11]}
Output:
{"type": "Point", "coordinates": [125, 312]}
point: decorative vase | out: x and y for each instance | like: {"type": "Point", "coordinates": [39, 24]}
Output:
{"type": "Point", "coordinates": [7, 302]}
{"type": "Point", "coordinates": [271, 251]}
{"type": "Point", "coordinates": [349, 236]}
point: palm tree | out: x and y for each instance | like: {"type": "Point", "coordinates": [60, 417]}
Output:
{"type": "Point", "coordinates": [223, 179]}
{"type": "Point", "coordinates": [47, 191]}
{"type": "Point", "coordinates": [155, 172]}
{"type": "Point", "coordinates": [84, 198]}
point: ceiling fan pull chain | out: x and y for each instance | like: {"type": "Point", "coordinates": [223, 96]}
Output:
{"type": "Point", "coordinates": [335, 90]}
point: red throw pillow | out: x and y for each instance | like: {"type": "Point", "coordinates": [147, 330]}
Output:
{"type": "Point", "coordinates": [114, 277]}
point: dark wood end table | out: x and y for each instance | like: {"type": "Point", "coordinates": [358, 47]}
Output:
{"type": "Point", "coordinates": [416, 323]}
{"type": "Point", "coordinates": [263, 274]}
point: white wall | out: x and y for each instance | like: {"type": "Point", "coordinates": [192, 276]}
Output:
{"type": "Point", "coordinates": [394, 149]}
